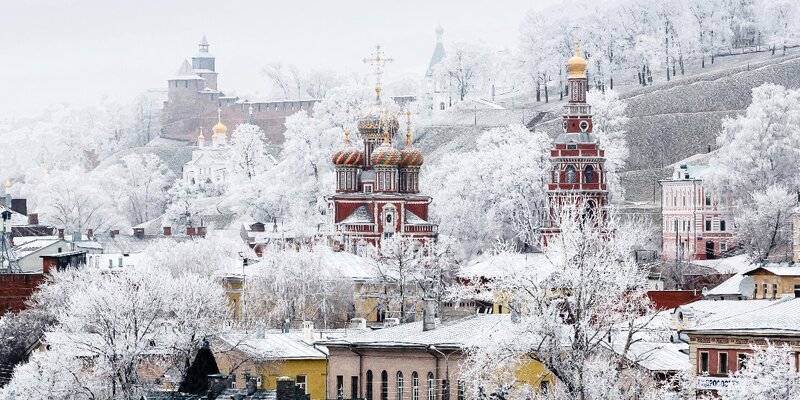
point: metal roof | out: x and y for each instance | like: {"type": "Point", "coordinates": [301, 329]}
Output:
{"type": "Point", "coordinates": [460, 333]}
{"type": "Point", "coordinates": [277, 346]}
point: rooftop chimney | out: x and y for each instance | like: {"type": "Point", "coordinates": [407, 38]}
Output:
{"type": "Point", "coordinates": [60, 233]}
{"type": "Point", "coordinates": [138, 233]}
{"type": "Point", "coordinates": [114, 233]}
{"type": "Point", "coordinates": [191, 231]}
{"type": "Point", "coordinates": [20, 206]}
{"type": "Point", "coordinates": [90, 234]}
{"type": "Point", "coordinates": [308, 332]}
{"type": "Point", "coordinates": [167, 231]}
{"type": "Point", "coordinates": [33, 219]}
{"type": "Point", "coordinates": [201, 231]}
{"type": "Point", "coordinates": [429, 315]}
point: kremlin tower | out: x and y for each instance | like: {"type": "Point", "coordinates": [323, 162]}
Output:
{"type": "Point", "coordinates": [377, 185]}
{"type": "Point", "coordinates": [577, 161]}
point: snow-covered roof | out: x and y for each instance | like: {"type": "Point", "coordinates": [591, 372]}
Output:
{"type": "Point", "coordinates": [729, 265]}
{"type": "Point", "coordinates": [476, 103]}
{"type": "Point", "coordinates": [21, 240]}
{"type": "Point", "coordinates": [276, 346]}
{"type": "Point", "coordinates": [185, 73]}
{"type": "Point", "coordinates": [360, 216]}
{"type": "Point", "coordinates": [731, 286]}
{"type": "Point", "coordinates": [17, 219]}
{"type": "Point", "coordinates": [346, 264]}
{"type": "Point", "coordinates": [461, 333]}
{"type": "Point", "coordinates": [704, 311]}
{"type": "Point", "coordinates": [436, 58]}
{"type": "Point", "coordinates": [778, 317]}
{"type": "Point", "coordinates": [533, 265]}
{"type": "Point", "coordinates": [414, 219]}
{"type": "Point", "coordinates": [655, 356]}
{"type": "Point", "coordinates": [697, 165]}
{"type": "Point", "coordinates": [780, 270]}
{"type": "Point", "coordinates": [33, 246]}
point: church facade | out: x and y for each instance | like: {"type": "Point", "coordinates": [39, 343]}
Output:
{"type": "Point", "coordinates": [377, 184]}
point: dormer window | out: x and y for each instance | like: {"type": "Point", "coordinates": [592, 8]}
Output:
{"type": "Point", "coordinates": [367, 188]}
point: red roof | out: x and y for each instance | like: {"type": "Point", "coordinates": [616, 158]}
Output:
{"type": "Point", "coordinates": [669, 299]}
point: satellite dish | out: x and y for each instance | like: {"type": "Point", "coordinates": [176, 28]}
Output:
{"type": "Point", "coordinates": [747, 286]}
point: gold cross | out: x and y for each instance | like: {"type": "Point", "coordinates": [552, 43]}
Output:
{"type": "Point", "coordinates": [378, 60]}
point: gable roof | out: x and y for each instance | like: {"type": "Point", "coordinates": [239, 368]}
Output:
{"type": "Point", "coordinates": [274, 346]}
{"type": "Point", "coordinates": [779, 270]}
{"type": "Point", "coordinates": [361, 215]}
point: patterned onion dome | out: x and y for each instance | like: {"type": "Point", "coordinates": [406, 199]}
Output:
{"type": "Point", "coordinates": [370, 122]}
{"type": "Point", "coordinates": [385, 155]}
{"type": "Point", "coordinates": [411, 157]}
{"type": "Point", "coordinates": [348, 156]}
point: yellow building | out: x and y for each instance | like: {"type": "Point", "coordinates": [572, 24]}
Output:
{"type": "Point", "coordinates": [266, 356]}
{"type": "Point", "coordinates": [774, 282]}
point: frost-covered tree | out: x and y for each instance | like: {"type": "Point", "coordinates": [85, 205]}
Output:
{"type": "Point", "coordinates": [758, 157]}
{"type": "Point", "coordinates": [768, 374]}
{"type": "Point", "coordinates": [119, 323]}
{"type": "Point", "coordinates": [608, 125]}
{"type": "Point", "coordinates": [465, 66]}
{"type": "Point", "coordinates": [565, 310]}
{"type": "Point", "coordinates": [294, 192]}
{"type": "Point", "coordinates": [139, 183]}
{"type": "Point", "coordinates": [495, 191]}
{"type": "Point", "coordinates": [763, 222]}
{"type": "Point", "coordinates": [76, 201]}
{"type": "Point", "coordinates": [295, 283]}
{"type": "Point", "coordinates": [248, 152]}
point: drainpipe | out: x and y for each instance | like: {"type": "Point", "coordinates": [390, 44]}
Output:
{"type": "Point", "coordinates": [360, 372]}
{"type": "Point", "coordinates": [429, 350]}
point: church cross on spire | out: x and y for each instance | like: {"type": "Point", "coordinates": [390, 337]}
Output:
{"type": "Point", "coordinates": [378, 60]}
{"type": "Point", "coordinates": [408, 127]}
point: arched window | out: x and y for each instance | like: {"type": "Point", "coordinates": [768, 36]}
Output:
{"type": "Point", "coordinates": [571, 174]}
{"type": "Point", "coordinates": [441, 106]}
{"type": "Point", "coordinates": [431, 387]}
{"type": "Point", "coordinates": [400, 385]}
{"type": "Point", "coordinates": [415, 386]}
{"type": "Point", "coordinates": [384, 385]}
{"type": "Point", "coordinates": [588, 174]}
{"type": "Point", "coordinates": [369, 384]}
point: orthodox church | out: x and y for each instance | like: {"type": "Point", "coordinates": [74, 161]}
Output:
{"type": "Point", "coordinates": [577, 160]}
{"type": "Point", "coordinates": [377, 184]}
{"type": "Point", "coordinates": [436, 89]}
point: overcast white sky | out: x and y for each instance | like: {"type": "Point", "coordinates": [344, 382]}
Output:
{"type": "Point", "coordinates": [80, 51]}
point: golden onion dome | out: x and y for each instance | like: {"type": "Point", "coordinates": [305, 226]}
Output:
{"type": "Point", "coordinates": [576, 66]}
{"type": "Point", "coordinates": [219, 129]}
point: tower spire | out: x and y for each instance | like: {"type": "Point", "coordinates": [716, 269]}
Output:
{"type": "Point", "coordinates": [347, 128]}
{"type": "Point", "coordinates": [203, 44]}
{"type": "Point", "coordinates": [408, 128]}
{"type": "Point", "coordinates": [378, 61]}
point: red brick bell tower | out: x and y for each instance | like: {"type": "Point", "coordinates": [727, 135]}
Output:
{"type": "Point", "coordinates": [577, 162]}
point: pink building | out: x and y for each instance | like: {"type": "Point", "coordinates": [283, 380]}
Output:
{"type": "Point", "coordinates": [696, 224]}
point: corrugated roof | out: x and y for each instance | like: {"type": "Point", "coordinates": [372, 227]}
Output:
{"type": "Point", "coordinates": [782, 316]}
{"type": "Point", "coordinates": [33, 246]}
{"type": "Point", "coordinates": [655, 356]}
{"type": "Point", "coordinates": [780, 270]}
{"type": "Point", "coordinates": [277, 346]}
